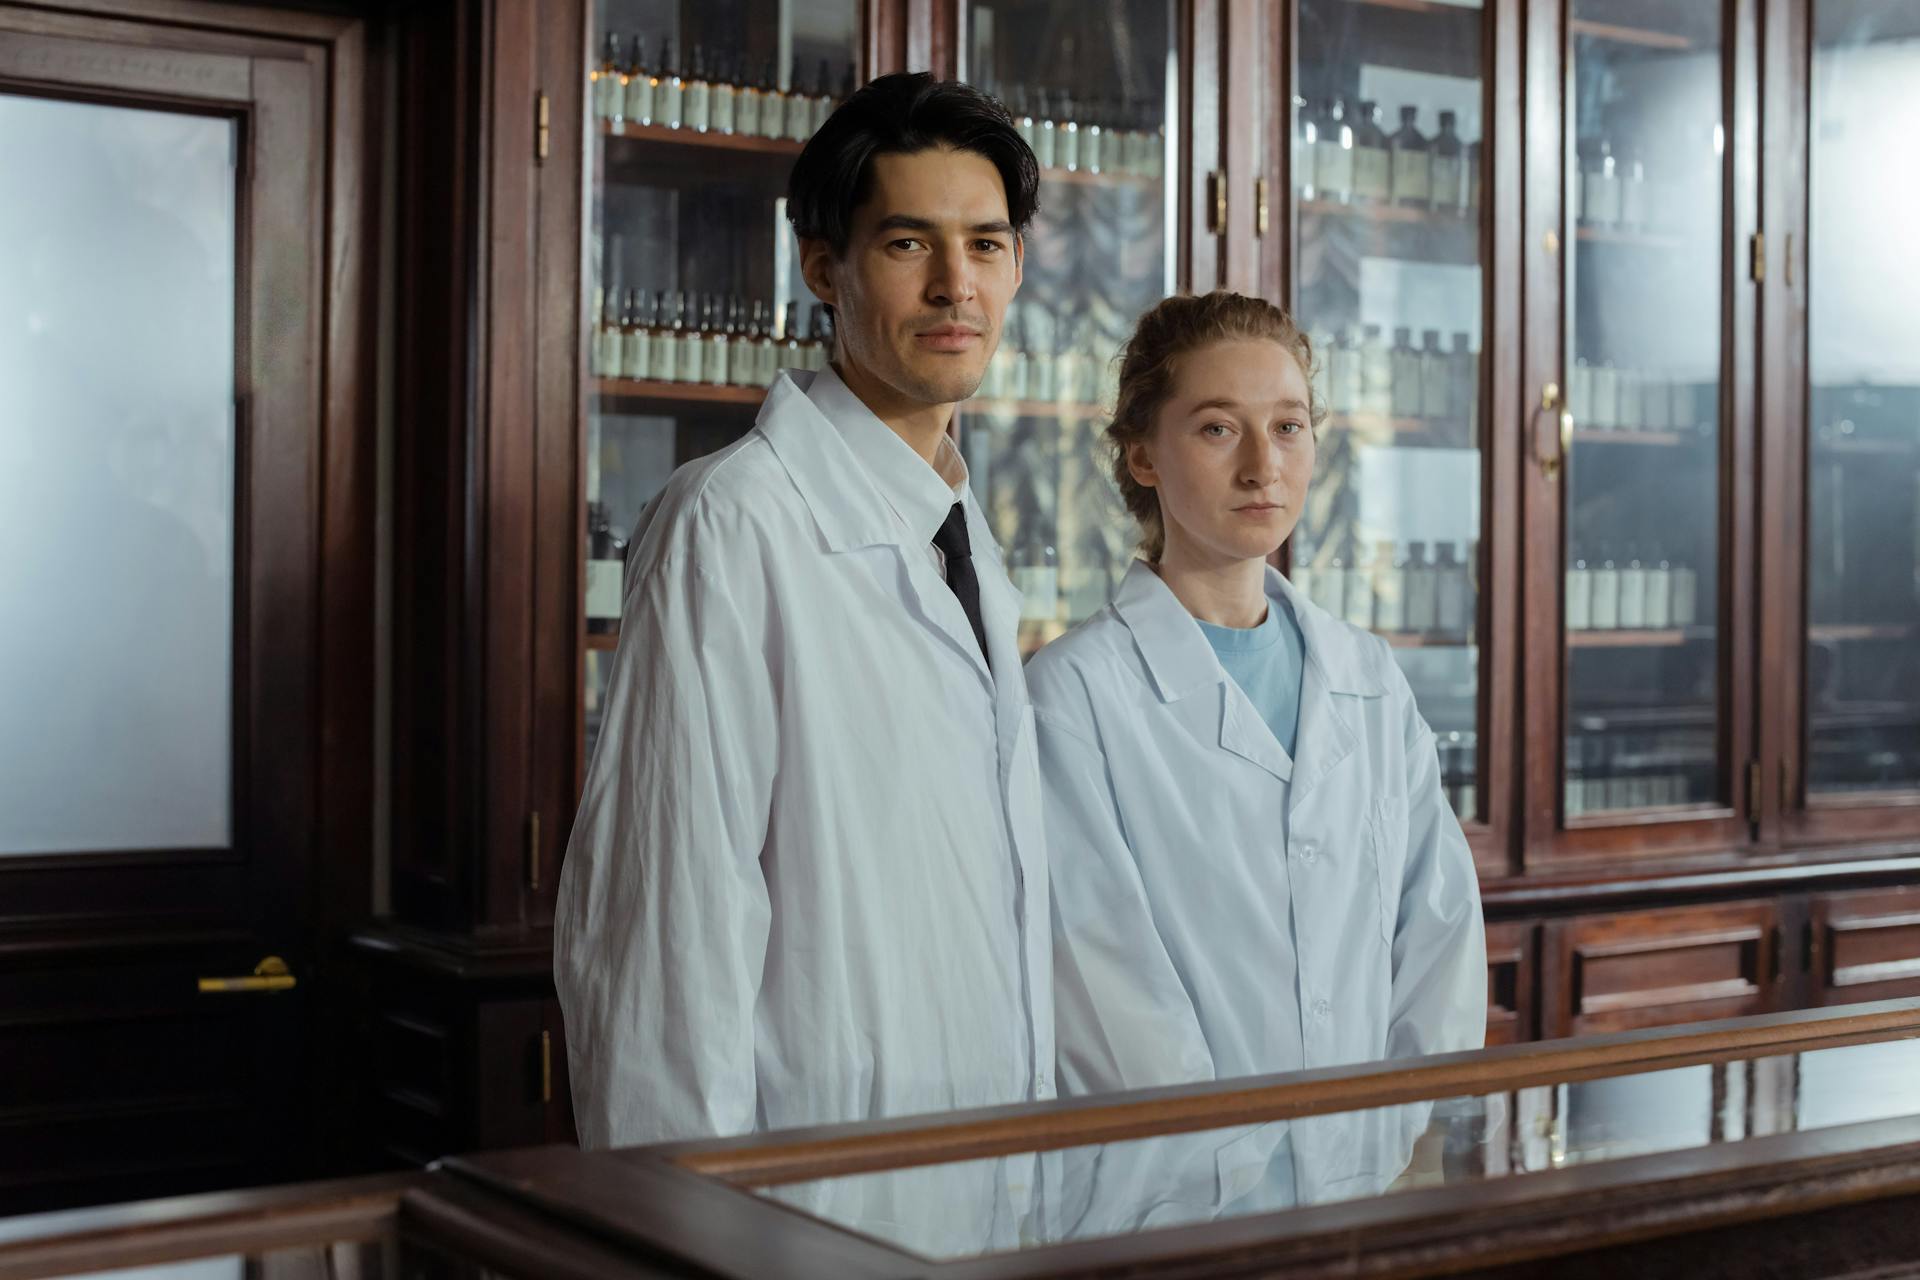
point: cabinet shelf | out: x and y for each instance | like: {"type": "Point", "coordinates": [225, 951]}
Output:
{"type": "Point", "coordinates": [1862, 631]}
{"type": "Point", "coordinates": [1082, 178]}
{"type": "Point", "coordinates": [653, 135]}
{"type": "Point", "coordinates": [1426, 639]}
{"type": "Point", "coordinates": [1396, 231]}
{"type": "Point", "coordinates": [1065, 410]}
{"type": "Point", "coordinates": [1629, 436]}
{"type": "Point", "coordinates": [1639, 638]}
{"type": "Point", "coordinates": [1629, 239]}
{"type": "Point", "coordinates": [1629, 35]}
{"type": "Point", "coordinates": [677, 392]}
{"type": "Point", "coordinates": [1405, 432]}
{"type": "Point", "coordinates": [605, 641]}
{"type": "Point", "coordinates": [1865, 446]}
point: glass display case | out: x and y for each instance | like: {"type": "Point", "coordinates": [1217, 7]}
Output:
{"type": "Point", "coordinates": [1388, 162]}
{"type": "Point", "coordinates": [1097, 104]}
{"type": "Point", "coordinates": [1644, 334]}
{"type": "Point", "coordinates": [1862, 572]}
{"type": "Point", "coordinates": [695, 297]}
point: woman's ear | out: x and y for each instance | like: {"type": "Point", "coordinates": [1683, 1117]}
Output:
{"type": "Point", "coordinates": [1140, 464]}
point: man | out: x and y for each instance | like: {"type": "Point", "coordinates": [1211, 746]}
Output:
{"type": "Point", "coordinates": [807, 881]}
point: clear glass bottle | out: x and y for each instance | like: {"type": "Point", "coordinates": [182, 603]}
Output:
{"type": "Point", "coordinates": [1093, 137]}
{"type": "Point", "coordinates": [1408, 375]}
{"type": "Point", "coordinates": [1412, 173]}
{"type": "Point", "coordinates": [1686, 596]}
{"type": "Point", "coordinates": [604, 81]}
{"type": "Point", "coordinates": [1473, 179]}
{"type": "Point", "coordinates": [663, 347]}
{"type": "Point", "coordinates": [636, 341]}
{"type": "Point", "coordinates": [1659, 591]}
{"type": "Point", "coordinates": [1372, 158]}
{"type": "Point", "coordinates": [643, 87]}
{"type": "Point", "coordinates": [1633, 195]}
{"type": "Point", "coordinates": [606, 332]}
{"type": "Point", "coordinates": [791, 356]}
{"type": "Point", "coordinates": [606, 556]}
{"type": "Point", "coordinates": [1436, 379]}
{"type": "Point", "coordinates": [1463, 402]}
{"type": "Point", "coordinates": [1345, 375]}
{"type": "Point", "coordinates": [1040, 357]}
{"type": "Point", "coordinates": [799, 126]}
{"type": "Point", "coordinates": [1022, 117]}
{"type": "Point", "coordinates": [669, 100]}
{"type": "Point", "coordinates": [1579, 601]}
{"type": "Point", "coordinates": [718, 364]}
{"type": "Point", "coordinates": [749, 98]}
{"type": "Point", "coordinates": [1453, 595]}
{"type": "Point", "coordinates": [773, 103]}
{"type": "Point", "coordinates": [1066, 141]}
{"type": "Point", "coordinates": [1633, 591]}
{"type": "Point", "coordinates": [1423, 591]}
{"type": "Point", "coordinates": [696, 97]}
{"type": "Point", "coordinates": [1330, 586]}
{"type": "Point", "coordinates": [1627, 408]}
{"type": "Point", "coordinates": [1376, 374]}
{"type": "Point", "coordinates": [1045, 132]}
{"type": "Point", "coordinates": [1359, 592]}
{"type": "Point", "coordinates": [1602, 186]}
{"type": "Point", "coordinates": [1449, 191]}
{"type": "Point", "coordinates": [1605, 414]}
{"type": "Point", "coordinates": [725, 98]}
{"type": "Point", "coordinates": [744, 352]}
{"type": "Point", "coordinates": [1389, 589]}
{"type": "Point", "coordinates": [766, 352]}
{"type": "Point", "coordinates": [1604, 613]}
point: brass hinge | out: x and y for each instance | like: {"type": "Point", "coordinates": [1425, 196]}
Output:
{"type": "Point", "coordinates": [1217, 202]}
{"type": "Point", "coordinates": [543, 129]}
{"type": "Point", "coordinates": [1261, 213]}
{"type": "Point", "coordinates": [1759, 263]}
{"type": "Point", "coordinates": [546, 1066]}
{"type": "Point", "coordinates": [533, 851]}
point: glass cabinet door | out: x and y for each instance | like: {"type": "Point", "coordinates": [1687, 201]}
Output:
{"type": "Point", "coordinates": [695, 298]}
{"type": "Point", "coordinates": [1861, 701]}
{"type": "Point", "coordinates": [1389, 283]}
{"type": "Point", "coordinates": [1645, 687]}
{"type": "Point", "coordinates": [1096, 102]}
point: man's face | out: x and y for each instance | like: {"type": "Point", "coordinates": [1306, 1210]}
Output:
{"type": "Point", "coordinates": [931, 264]}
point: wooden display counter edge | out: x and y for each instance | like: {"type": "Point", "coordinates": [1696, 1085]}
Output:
{"type": "Point", "coordinates": [1707, 878]}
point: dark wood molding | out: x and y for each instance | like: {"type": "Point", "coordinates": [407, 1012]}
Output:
{"type": "Point", "coordinates": [1720, 877]}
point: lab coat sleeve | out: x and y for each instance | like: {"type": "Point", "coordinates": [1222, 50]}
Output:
{"type": "Point", "coordinates": [1439, 1002]}
{"type": "Point", "coordinates": [662, 922]}
{"type": "Point", "coordinates": [1122, 1017]}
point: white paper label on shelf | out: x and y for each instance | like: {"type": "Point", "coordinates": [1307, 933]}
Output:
{"type": "Point", "coordinates": [603, 588]}
{"type": "Point", "coordinates": [1372, 173]}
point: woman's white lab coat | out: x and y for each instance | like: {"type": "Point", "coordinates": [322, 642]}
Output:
{"type": "Point", "coordinates": [1221, 910]}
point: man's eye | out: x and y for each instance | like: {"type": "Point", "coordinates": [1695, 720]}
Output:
{"type": "Point", "coordinates": [904, 244]}
{"type": "Point", "coordinates": [989, 246]}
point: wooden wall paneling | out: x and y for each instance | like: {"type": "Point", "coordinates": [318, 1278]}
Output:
{"type": "Point", "coordinates": [1864, 946]}
{"type": "Point", "coordinates": [1250, 115]}
{"type": "Point", "coordinates": [1511, 961]}
{"type": "Point", "coordinates": [1197, 123]}
{"type": "Point", "coordinates": [1661, 968]}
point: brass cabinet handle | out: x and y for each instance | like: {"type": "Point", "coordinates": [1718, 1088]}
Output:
{"type": "Point", "coordinates": [1261, 212]}
{"type": "Point", "coordinates": [270, 974]}
{"type": "Point", "coordinates": [1550, 462]}
{"type": "Point", "coordinates": [1217, 189]}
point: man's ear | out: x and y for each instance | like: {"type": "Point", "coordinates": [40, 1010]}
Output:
{"type": "Point", "coordinates": [1019, 260]}
{"type": "Point", "coordinates": [816, 268]}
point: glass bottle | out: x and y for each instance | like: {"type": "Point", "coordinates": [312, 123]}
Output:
{"type": "Point", "coordinates": [1359, 592]}
{"type": "Point", "coordinates": [1601, 182]}
{"type": "Point", "coordinates": [1372, 158]}
{"type": "Point", "coordinates": [1436, 379]}
{"type": "Point", "coordinates": [773, 104]}
{"type": "Point", "coordinates": [1040, 360]}
{"type": "Point", "coordinates": [799, 108]}
{"type": "Point", "coordinates": [1633, 195]}
{"type": "Point", "coordinates": [1333, 155]}
{"type": "Point", "coordinates": [822, 98]}
{"type": "Point", "coordinates": [605, 557]}
{"type": "Point", "coordinates": [766, 352]}
{"type": "Point", "coordinates": [1389, 590]}
{"type": "Point", "coordinates": [636, 342]}
{"type": "Point", "coordinates": [663, 347]}
{"type": "Point", "coordinates": [696, 96]}
{"type": "Point", "coordinates": [604, 81]}
{"type": "Point", "coordinates": [1579, 601]}
{"type": "Point", "coordinates": [669, 100]}
{"type": "Point", "coordinates": [1330, 585]}
{"type": "Point", "coordinates": [719, 342]}
{"type": "Point", "coordinates": [1407, 374]}
{"type": "Point", "coordinates": [791, 356]}
{"type": "Point", "coordinates": [1604, 613]}
{"type": "Point", "coordinates": [1093, 137]}
{"type": "Point", "coordinates": [643, 87]}
{"type": "Point", "coordinates": [1013, 381]}
{"type": "Point", "coordinates": [1345, 376]}
{"type": "Point", "coordinates": [1423, 591]}
{"type": "Point", "coordinates": [725, 98]}
{"type": "Point", "coordinates": [1453, 595]}
{"type": "Point", "coordinates": [1473, 179]}
{"type": "Point", "coordinates": [1605, 414]}
{"type": "Point", "coordinates": [1659, 591]}
{"type": "Point", "coordinates": [1449, 192]}
{"type": "Point", "coordinates": [749, 100]}
{"type": "Point", "coordinates": [1412, 163]}
{"type": "Point", "coordinates": [1463, 402]}
{"type": "Point", "coordinates": [694, 338]}
{"type": "Point", "coordinates": [1633, 591]}
{"type": "Point", "coordinates": [1045, 132]}
{"type": "Point", "coordinates": [1066, 142]}
{"type": "Point", "coordinates": [1376, 374]}
{"type": "Point", "coordinates": [606, 333]}
{"type": "Point", "coordinates": [1686, 596]}
{"type": "Point", "coordinates": [744, 350]}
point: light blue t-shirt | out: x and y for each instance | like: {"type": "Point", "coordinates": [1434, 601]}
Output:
{"type": "Point", "coordinates": [1266, 661]}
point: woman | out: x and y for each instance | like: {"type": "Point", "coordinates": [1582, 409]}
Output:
{"type": "Point", "coordinates": [1254, 867]}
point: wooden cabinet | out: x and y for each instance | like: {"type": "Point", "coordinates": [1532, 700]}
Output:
{"type": "Point", "coordinates": [1625, 971]}
{"type": "Point", "coordinates": [1511, 968]}
{"type": "Point", "coordinates": [1863, 946]}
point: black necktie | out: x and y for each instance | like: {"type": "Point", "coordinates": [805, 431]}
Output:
{"type": "Point", "coordinates": [958, 550]}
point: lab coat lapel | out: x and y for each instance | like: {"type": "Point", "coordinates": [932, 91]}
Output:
{"type": "Point", "coordinates": [1330, 681]}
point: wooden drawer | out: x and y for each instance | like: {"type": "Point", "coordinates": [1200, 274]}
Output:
{"type": "Point", "coordinates": [1657, 968]}
{"type": "Point", "coordinates": [1511, 959]}
{"type": "Point", "coordinates": [1864, 946]}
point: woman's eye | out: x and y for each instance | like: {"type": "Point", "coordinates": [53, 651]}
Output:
{"type": "Point", "coordinates": [1216, 430]}
{"type": "Point", "coordinates": [1289, 428]}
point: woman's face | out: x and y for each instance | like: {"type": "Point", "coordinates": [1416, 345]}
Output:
{"type": "Point", "coordinates": [1230, 454]}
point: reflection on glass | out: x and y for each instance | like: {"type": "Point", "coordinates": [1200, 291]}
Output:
{"type": "Point", "coordinates": [695, 299]}
{"type": "Point", "coordinates": [1125, 1187]}
{"type": "Point", "coordinates": [1863, 361]}
{"type": "Point", "coordinates": [116, 478]}
{"type": "Point", "coordinates": [1644, 167]}
{"type": "Point", "coordinates": [1092, 100]}
{"type": "Point", "coordinates": [1387, 178]}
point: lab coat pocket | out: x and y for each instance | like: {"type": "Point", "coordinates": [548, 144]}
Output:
{"type": "Point", "coordinates": [1388, 823]}
{"type": "Point", "coordinates": [1241, 1165]}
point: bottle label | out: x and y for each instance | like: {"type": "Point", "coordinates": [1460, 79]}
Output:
{"type": "Point", "coordinates": [766, 362]}
{"type": "Point", "coordinates": [1579, 599]}
{"type": "Point", "coordinates": [1372, 173]}
{"type": "Point", "coordinates": [717, 353]}
{"type": "Point", "coordinates": [1633, 598]}
{"type": "Point", "coordinates": [606, 353]}
{"type": "Point", "coordinates": [1044, 146]}
{"type": "Point", "coordinates": [1412, 177]}
{"type": "Point", "coordinates": [635, 356]}
{"type": "Point", "coordinates": [822, 108]}
{"type": "Point", "coordinates": [799, 117]}
{"type": "Point", "coordinates": [723, 108]}
{"type": "Point", "coordinates": [1659, 599]}
{"type": "Point", "coordinates": [1333, 171]}
{"type": "Point", "coordinates": [1066, 147]}
{"type": "Point", "coordinates": [1446, 183]}
{"type": "Point", "coordinates": [603, 90]}
{"type": "Point", "coordinates": [603, 588]}
{"type": "Point", "coordinates": [692, 359]}
{"type": "Point", "coordinates": [746, 113]}
{"type": "Point", "coordinates": [696, 106]}
{"type": "Point", "coordinates": [668, 102]}
{"type": "Point", "coordinates": [661, 361]}
{"type": "Point", "coordinates": [1606, 599]}
{"type": "Point", "coordinates": [640, 100]}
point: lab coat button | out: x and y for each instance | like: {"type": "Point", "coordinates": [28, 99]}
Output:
{"type": "Point", "coordinates": [1309, 851]}
{"type": "Point", "coordinates": [1322, 1009]}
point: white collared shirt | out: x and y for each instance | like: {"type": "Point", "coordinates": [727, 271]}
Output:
{"type": "Point", "coordinates": [1224, 910]}
{"type": "Point", "coordinates": [807, 883]}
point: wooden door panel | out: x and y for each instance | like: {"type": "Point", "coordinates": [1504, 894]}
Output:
{"type": "Point", "coordinates": [1656, 968]}
{"type": "Point", "coordinates": [1510, 983]}
{"type": "Point", "coordinates": [1865, 946]}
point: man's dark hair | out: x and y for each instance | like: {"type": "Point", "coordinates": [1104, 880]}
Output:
{"type": "Point", "coordinates": [900, 114]}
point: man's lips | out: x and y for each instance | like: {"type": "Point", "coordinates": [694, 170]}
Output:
{"type": "Point", "coordinates": [948, 337]}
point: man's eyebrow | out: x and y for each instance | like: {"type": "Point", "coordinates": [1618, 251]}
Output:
{"type": "Point", "coordinates": [913, 222]}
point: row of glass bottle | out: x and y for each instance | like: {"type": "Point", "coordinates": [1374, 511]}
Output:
{"type": "Point", "coordinates": [1102, 138]}
{"type": "Point", "coordinates": [721, 102]}
{"type": "Point", "coordinates": [1608, 193]}
{"type": "Point", "coordinates": [658, 338]}
{"type": "Point", "coordinates": [1357, 373]}
{"type": "Point", "coordinates": [1345, 157]}
{"type": "Point", "coordinates": [1029, 366]}
{"type": "Point", "coordinates": [1616, 771]}
{"type": "Point", "coordinates": [1630, 594]}
{"type": "Point", "coordinates": [1605, 398]}
{"type": "Point", "coordinates": [1402, 595]}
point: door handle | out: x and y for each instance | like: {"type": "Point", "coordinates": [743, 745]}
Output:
{"type": "Point", "coordinates": [1545, 417]}
{"type": "Point", "coordinates": [270, 974]}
